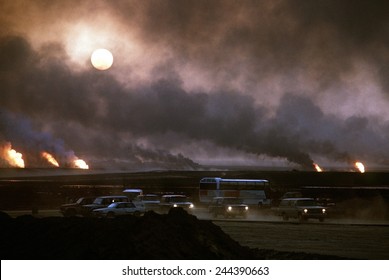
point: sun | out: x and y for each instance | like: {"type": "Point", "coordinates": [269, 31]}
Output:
{"type": "Point", "coordinates": [102, 59]}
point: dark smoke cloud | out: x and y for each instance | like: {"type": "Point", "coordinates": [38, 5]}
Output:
{"type": "Point", "coordinates": [266, 38]}
{"type": "Point", "coordinates": [91, 112]}
{"type": "Point", "coordinates": [267, 66]}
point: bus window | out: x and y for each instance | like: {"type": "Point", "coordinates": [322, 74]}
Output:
{"type": "Point", "coordinates": [251, 191]}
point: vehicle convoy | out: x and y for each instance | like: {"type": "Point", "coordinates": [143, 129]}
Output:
{"type": "Point", "coordinates": [253, 192]}
{"type": "Point", "coordinates": [102, 202]}
{"type": "Point", "coordinates": [119, 209]}
{"type": "Point", "coordinates": [76, 208]}
{"type": "Point", "coordinates": [170, 201]}
{"type": "Point", "coordinates": [301, 209]}
{"type": "Point", "coordinates": [228, 207]}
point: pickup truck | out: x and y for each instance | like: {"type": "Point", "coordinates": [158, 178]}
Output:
{"type": "Point", "coordinates": [76, 208]}
{"type": "Point", "coordinates": [301, 209]}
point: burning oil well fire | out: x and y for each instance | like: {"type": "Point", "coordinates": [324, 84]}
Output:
{"type": "Point", "coordinates": [79, 163]}
{"type": "Point", "coordinates": [50, 159]}
{"type": "Point", "coordinates": [13, 158]}
{"type": "Point", "coordinates": [360, 167]}
{"type": "Point", "coordinates": [317, 167]}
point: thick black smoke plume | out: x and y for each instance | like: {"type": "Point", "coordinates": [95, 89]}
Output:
{"type": "Point", "coordinates": [295, 81]}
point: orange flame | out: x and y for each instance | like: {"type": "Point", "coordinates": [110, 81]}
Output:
{"type": "Point", "coordinates": [317, 167]}
{"type": "Point", "coordinates": [13, 157]}
{"type": "Point", "coordinates": [79, 163]}
{"type": "Point", "coordinates": [359, 165]}
{"type": "Point", "coordinates": [50, 158]}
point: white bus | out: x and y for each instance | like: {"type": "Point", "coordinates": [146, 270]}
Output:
{"type": "Point", "coordinates": [251, 191]}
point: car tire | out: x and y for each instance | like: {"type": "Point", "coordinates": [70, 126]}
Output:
{"type": "Point", "coordinates": [300, 218]}
{"type": "Point", "coordinates": [136, 213]}
{"type": "Point", "coordinates": [285, 217]}
{"type": "Point", "coordinates": [110, 215]}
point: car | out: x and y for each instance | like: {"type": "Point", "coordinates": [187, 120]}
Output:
{"type": "Point", "coordinates": [301, 209]}
{"type": "Point", "coordinates": [119, 209]}
{"type": "Point", "coordinates": [132, 194]}
{"type": "Point", "coordinates": [175, 200]}
{"type": "Point", "coordinates": [294, 194]}
{"type": "Point", "coordinates": [228, 207]}
{"type": "Point", "coordinates": [332, 209]}
{"type": "Point", "coordinates": [150, 201]}
{"type": "Point", "coordinates": [102, 202]}
{"type": "Point", "coordinates": [74, 209]}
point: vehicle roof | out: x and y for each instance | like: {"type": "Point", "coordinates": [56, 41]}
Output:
{"type": "Point", "coordinates": [111, 196]}
{"type": "Point", "coordinates": [298, 198]}
{"type": "Point", "coordinates": [133, 190]}
{"type": "Point", "coordinates": [120, 202]}
{"type": "Point", "coordinates": [86, 197]}
{"type": "Point", "coordinates": [214, 179]}
{"type": "Point", "coordinates": [174, 195]}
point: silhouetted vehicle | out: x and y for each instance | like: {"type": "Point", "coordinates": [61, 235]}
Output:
{"type": "Point", "coordinates": [102, 202]}
{"type": "Point", "coordinates": [175, 200]}
{"type": "Point", "coordinates": [76, 208]}
{"type": "Point", "coordinates": [228, 207]}
{"type": "Point", "coordinates": [301, 209]}
{"type": "Point", "coordinates": [120, 209]}
{"type": "Point", "coordinates": [292, 195]}
{"type": "Point", "coordinates": [150, 201]}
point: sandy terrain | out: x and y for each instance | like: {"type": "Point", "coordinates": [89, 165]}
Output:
{"type": "Point", "coordinates": [342, 240]}
{"type": "Point", "coordinates": [336, 238]}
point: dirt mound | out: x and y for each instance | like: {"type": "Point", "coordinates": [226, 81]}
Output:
{"type": "Point", "coordinates": [176, 235]}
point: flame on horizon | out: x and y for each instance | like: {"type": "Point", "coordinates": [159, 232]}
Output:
{"type": "Point", "coordinates": [13, 157]}
{"type": "Point", "coordinates": [359, 165]}
{"type": "Point", "coordinates": [317, 167]}
{"type": "Point", "coordinates": [79, 163]}
{"type": "Point", "coordinates": [50, 158]}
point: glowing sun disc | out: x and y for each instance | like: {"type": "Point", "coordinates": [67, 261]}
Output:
{"type": "Point", "coordinates": [102, 59]}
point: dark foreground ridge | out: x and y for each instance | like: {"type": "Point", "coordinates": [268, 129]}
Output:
{"type": "Point", "coordinates": [176, 235]}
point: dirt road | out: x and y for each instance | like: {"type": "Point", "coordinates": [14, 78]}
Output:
{"type": "Point", "coordinates": [355, 241]}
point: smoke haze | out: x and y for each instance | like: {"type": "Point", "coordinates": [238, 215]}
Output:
{"type": "Point", "coordinates": [196, 82]}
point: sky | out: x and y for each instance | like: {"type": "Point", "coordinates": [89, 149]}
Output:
{"type": "Point", "coordinates": [194, 83]}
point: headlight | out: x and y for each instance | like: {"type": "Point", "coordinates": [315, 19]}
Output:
{"type": "Point", "coordinates": [229, 208]}
{"type": "Point", "coordinates": [246, 208]}
{"type": "Point", "coordinates": [175, 205]}
{"type": "Point", "coordinates": [191, 206]}
{"type": "Point", "coordinates": [323, 211]}
{"type": "Point", "coordinates": [305, 211]}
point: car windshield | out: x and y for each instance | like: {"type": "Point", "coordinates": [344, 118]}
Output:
{"type": "Point", "coordinates": [85, 200]}
{"type": "Point", "coordinates": [233, 200]}
{"type": "Point", "coordinates": [178, 199]}
{"type": "Point", "coordinates": [112, 205]}
{"type": "Point", "coordinates": [150, 198]}
{"type": "Point", "coordinates": [306, 203]}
